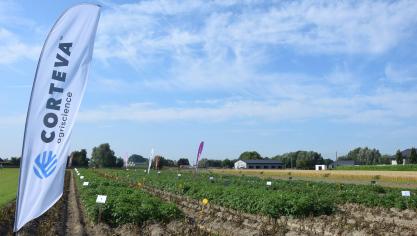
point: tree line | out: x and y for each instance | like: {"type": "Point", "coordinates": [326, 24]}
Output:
{"type": "Point", "coordinates": [103, 156]}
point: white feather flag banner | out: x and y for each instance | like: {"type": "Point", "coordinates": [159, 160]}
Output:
{"type": "Point", "coordinates": [57, 91]}
{"type": "Point", "coordinates": [150, 160]}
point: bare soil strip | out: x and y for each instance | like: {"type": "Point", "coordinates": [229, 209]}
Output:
{"type": "Point", "coordinates": [75, 219]}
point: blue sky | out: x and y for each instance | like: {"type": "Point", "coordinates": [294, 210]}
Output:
{"type": "Point", "coordinates": [271, 76]}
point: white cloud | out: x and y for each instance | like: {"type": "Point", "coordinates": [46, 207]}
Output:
{"type": "Point", "coordinates": [13, 49]}
{"type": "Point", "coordinates": [401, 73]}
{"type": "Point", "coordinates": [384, 107]}
{"type": "Point", "coordinates": [145, 29]}
{"type": "Point", "coordinates": [221, 45]}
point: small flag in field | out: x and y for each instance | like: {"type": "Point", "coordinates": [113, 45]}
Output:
{"type": "Point", "coordinates": [200, 150]}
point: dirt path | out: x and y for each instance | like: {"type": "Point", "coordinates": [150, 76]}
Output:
{"type": "Point", "coordinates": [75, 222]}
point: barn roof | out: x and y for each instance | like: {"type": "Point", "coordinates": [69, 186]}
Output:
{"type": "Point", "coordinates": [262, 162]}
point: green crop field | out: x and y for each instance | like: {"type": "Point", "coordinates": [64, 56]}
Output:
{"type": "Point", "coordinates": [408, 167]}
{"type": "Point", "coordinates": [251, 195]}
{"type": "Point", "coordinates": [124, 204]}
{"type": "Point", "coordinates": [8, 184]}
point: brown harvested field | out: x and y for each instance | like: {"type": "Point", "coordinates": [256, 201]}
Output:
{"type": "Point", "coordinates": [406, 179]}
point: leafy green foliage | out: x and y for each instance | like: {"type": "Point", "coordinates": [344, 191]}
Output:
{"type": "Point", "coordinates": [283, 198]}
{"type": "Point", "coordinates": [399, 157]}
{"type": "Point", "coordinates": [79, 158]}
{"type": "Point", "coordinates": [135, 158]}
{"type": "Point", "coordinates": [103, 156]}
{"type": "Point", "coordinates": [183, 161]}
{"type": "Point", "coordinates": [406, 167]}
{"type": "Point", "coordinates": [301, 159]}
{"type": "Point", "coordinates": [124, 204]}
{"type": "Point", "coordinates": [253, 155]}
{"type": "Point", "coordinates": [413, 156]}
{"type": "Point", "coordinates": [366, 156]}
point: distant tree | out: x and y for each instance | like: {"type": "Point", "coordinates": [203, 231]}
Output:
{"type": "Point", "coordinates": [79, 158]}
{"type": "Point", "coordinates": [253, 155]}
{"type": "Point", "coordinates": [120, 162]}
{"type": "Point", "coordinates": [385, 159]}
{"type": "Point", "coordinates": [413, 156]}
{"type": "Point", "coordinates": [227, 163]}
{"type": "Point", "coordinates": [103, 156]}
{"type": "Point", "coordinates": [399, 157]}
{"type": "Point", "coordinates": [328, 161]}
{"type": "Point", "coordinates": [15, 161]}
{"type": "Point", "coordinates": [203, 163]}
{"type": "Point", "coordinates": [183, 162]}
{"type": "Point", "coordinates": [135, 158]}
{"type": "Point", "coordinates": [163, 162]}
{"type": "Point", "coordinates": [364, 156]}
{"type": "Point", "coordinates": [300, 159]}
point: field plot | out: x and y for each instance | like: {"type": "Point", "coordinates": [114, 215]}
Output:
{"type": "Point", "coordinates": [8, 184]}
{"type": "Point", "coordinates": [408, 167]}
{"type": "Point", "coordinates": [284, 206]}
{"type": "Point", "coordinates": [400, 179]}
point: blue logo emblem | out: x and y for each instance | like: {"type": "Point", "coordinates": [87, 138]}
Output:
{"type": "Point", "coordinates": [45, 164]}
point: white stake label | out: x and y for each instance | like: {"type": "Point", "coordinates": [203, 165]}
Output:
{"type": "Point", "coordinates": [101, 199]}
{"type": "Point", "coordinates": [405, 193]}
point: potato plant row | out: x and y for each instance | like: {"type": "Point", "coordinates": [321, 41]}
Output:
{"type": "Point", "coordinates": [124, 204]}
{"type": "Point", "coordinates": [282, 198]}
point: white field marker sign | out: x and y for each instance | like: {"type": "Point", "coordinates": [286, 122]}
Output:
{"type": "Point", "coordinates": [101, 199]}
{"type": "Point", "coordinates": [85, 184]}
{"type": "Point", "coordinates": [179, 175]}
{"type": "Point", "coordinates": [211, 178]}
{"type": "Point", "coordinates": [405, 193]}
{"type": "Point", "coordinates": [268, 183]}
{"type": "Point", "coordinates": [81, 177]}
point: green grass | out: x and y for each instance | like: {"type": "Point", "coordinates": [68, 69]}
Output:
{"type": "Point", "coordinates": [8, 184]}
{"type": "Point", "coordinates": [408, 167]}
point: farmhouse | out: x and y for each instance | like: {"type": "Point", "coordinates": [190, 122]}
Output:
{"type": "Point", "coordinates": [258, 164]}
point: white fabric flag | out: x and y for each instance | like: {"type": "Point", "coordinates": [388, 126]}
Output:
{"type": "Point", "coordinates": [57, 92]}
{"type": "Point", "coordinates": [150, 161]}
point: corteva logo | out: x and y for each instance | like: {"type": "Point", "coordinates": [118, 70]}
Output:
{"type": "Point", "coordinates": [53, 104]}
{"type": "Point", "coordinates": [45, 164]}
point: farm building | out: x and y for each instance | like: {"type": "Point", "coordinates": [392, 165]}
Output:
{"type": "Point", "coordinates": [258, 164]}
{"type": "Point", "coordinates": [342, 163]}
{"type": "Point", "coordinates": [321, 167]}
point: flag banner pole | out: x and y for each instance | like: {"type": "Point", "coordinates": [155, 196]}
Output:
{"type": "Point", "coordinates": [150, 161]}
{"type": "Point", "coordinates": [57, 92]}
{"type": "Point", "coordinates": [200, 150]}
